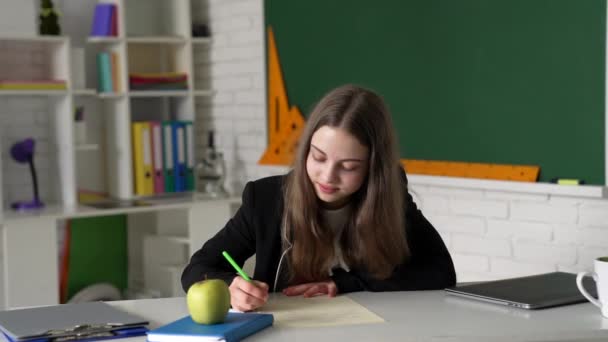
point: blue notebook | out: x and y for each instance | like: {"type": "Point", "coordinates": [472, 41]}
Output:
{"type": "Point", "coordinates": [237, 326]}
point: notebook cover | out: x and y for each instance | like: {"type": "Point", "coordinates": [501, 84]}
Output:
{"type": "Point", "coordinates": [237, 326]}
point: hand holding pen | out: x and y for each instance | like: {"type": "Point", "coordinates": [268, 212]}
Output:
{"type": "Point", "coordinates": [245, 294]}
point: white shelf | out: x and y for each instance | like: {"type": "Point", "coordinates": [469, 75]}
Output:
{"type": "Point", "coordinates": [159, 93]}
{"type": "Point", "coordinates": [157, 40]}
{"type": "Point", "coordinates": [201, 40]}
{"type": "Point", "coordinates": [104, 40]}
{"type": "Point", "coordinates": [36, 39]}
{"type": "Point", "coordinates": [110, 95]}
{"type": "Point", "coordinates": [87, 147]}
{"type": "Point", "coordinates": [33, 92]}
{"type": "Point", "coordinates": [58, 211]}
{"type": "Point", "coordinates": [84, 92]}
{"type": "Point", "coordinates": [202, 92]}
{"type": "Point", "coordinates": [178, 239]}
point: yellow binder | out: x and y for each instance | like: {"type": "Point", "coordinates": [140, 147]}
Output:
{"type": "Point", "coordinates": [142, 159]}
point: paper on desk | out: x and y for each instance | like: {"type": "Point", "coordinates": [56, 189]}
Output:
{"type": "Point", "coordinates": [321, 311]}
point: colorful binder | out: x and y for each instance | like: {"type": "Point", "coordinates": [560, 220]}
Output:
{"type": "Point", "coordinates": [237, 326]}
{"type": "Point", "coordinates": [157, 160]}
{"type": "Point", "coordinates": [168, 169]}
{"type": "Point", "coordinates": [179, 156]}
{"type": "Point", "coordinates": [189, 142]}
{"type": "Point", "coordinates": [142, 159]}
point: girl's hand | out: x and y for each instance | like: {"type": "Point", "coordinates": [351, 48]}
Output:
{"type": "Point", "coordinates": [328, 288]}
{"type": "Point", "coordinates": [246, 296]}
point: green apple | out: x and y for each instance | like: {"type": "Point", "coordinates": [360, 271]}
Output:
{"type": "Point", "coordinates": [208, 301]}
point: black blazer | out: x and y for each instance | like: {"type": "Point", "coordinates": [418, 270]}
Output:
{"type": "Point", "coordinates": [256, 229]}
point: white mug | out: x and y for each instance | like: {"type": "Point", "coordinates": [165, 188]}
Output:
{"type": "Point", "coordinates": [601, 281]}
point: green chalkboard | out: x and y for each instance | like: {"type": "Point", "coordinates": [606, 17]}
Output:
{"type": "Point", "coordinates": [491, 81]}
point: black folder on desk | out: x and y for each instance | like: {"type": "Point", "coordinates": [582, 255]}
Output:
{"type": "Point", "coordinates": [74, 322]}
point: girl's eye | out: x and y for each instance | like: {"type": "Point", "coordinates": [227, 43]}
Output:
{"type": "Point", "coordinates": [349, 167]}
{"type": "Point", "coordinates": [317, 157]}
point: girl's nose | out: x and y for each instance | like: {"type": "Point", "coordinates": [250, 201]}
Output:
{"type": "Point", "coordinates": [329, 174]}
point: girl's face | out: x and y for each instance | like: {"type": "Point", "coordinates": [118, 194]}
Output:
{"type": "Point", "coordinates": [337, 165]}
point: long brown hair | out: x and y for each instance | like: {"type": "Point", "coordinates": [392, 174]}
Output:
{"type": "Point", "coordinates": [374, 238]}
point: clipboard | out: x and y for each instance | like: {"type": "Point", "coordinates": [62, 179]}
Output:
{"type": "Point", "coordinates": [70, 322]}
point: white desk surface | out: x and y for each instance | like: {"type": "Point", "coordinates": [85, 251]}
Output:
{"type": "Point", "coordinates": [420, 316]}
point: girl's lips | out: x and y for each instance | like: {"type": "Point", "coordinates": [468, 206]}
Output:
{"type": "Point", "coordinates": [327, 189]}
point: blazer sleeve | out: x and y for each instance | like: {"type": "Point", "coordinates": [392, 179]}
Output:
{"type": "Point", "coordinates": [237, 238]}
{"type": "Point", "coordinates": [429, 267]}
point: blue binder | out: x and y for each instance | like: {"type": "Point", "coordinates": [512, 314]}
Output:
{"type": "Point", "coordinates": [179, 156]}
{"type": "Point", "coordinates": [237, 326]}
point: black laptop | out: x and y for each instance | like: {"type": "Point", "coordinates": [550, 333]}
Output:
{"type": "Point", "coordinates": [532, 292]}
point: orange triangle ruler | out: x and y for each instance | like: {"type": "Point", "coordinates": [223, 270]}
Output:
{"type": "Point", "coordinates": [285, 122]}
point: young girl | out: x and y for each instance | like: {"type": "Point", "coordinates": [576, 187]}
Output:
{"type": "Point", "coordinates": [341, 221]}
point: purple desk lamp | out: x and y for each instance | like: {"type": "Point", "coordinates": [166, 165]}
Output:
{"type": "Point", "coordinates": [23, 152]}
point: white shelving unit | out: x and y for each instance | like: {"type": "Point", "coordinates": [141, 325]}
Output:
{"type": "Point", "coordinates": [154, 36]}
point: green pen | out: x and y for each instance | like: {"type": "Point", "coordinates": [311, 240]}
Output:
{"type": "Point", "coordinates": [236, 267]}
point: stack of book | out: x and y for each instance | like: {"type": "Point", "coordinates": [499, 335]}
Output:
{"type": "Point", "coordinates": [158, 81]}
{"type": "Point", "coordinates": [32, 85]}
{"type": "Point", "coordinates": [105, 20]}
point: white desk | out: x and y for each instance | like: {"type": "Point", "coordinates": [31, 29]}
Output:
{"type": "Point", "coordinates": [420, 316]}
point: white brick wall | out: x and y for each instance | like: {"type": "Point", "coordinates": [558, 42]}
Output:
{"type": "Point", "coordinates": [498, 234]}
{"type": "Point", "coordinates": [237, 71]}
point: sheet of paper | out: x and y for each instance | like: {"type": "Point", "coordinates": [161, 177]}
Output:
{"type": "Point", "coordinates": [321, 311]}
